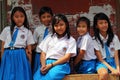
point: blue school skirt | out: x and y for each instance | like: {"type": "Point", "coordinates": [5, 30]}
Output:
{"type": "Point", "coordinates": [15, 65]}
{"type": "Point", "coordinates": [86, 67]}
{"type": "Point", "coordinates": [36, 62]}
{"type": "Point", "coordinates": [57, 72]}
{"type": "Point", "coordinates": [110, 61]}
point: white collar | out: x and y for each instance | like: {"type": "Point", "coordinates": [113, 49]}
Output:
{"type": "Point", "coordinates": [102, 38]}
{"type": "Point", "coordinates": [64, 37]}
{"type": "Point", "coordinates": [22, 28]}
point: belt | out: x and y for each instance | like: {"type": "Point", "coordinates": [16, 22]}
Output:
{"type": "Point", "coordinates": [14, 48]}
{"type": "Point", "coordinates": [90, 60]}
{"type": "Point", "coordinates": [38, 52]}
{"type": "Point", "coordinates": [51, 59]}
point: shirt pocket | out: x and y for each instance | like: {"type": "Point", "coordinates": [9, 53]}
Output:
{"type": "Point", "coordinates": [112, 48]}
{"type": "Point", "coordinates": [22, 38]}
{"type": "Point", "coordinates": [62, 48]}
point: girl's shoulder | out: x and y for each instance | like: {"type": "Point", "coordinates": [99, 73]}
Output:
{"type": "Point", "coordinates": [85, 37]}
{"type": "Point", "coordinates": [7, 28]}
{"type": "Point", "coordinates": [115, 37]}
{"type": "Point", "coordinates": [48, 37]}
{"type": "Point", "coordinates": [26, 30]}
{"type": "Point", "coordinates": [39, 28]}
{"type": "Point", "coordinates": [95, 40]}
{"type": "Point", "coordinates": [72, 39]}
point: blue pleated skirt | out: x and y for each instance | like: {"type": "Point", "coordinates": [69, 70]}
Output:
{"type": "Point", "coordinates": [86, 67]}
{"type": "Point", "coordinates": [57, 72]}
{"type": "Point", "coordinates": [15, 65]}
{"type": "Point", "coordinates": [110, 61]}
{"type": "Point", "coordinates": [36, 62]}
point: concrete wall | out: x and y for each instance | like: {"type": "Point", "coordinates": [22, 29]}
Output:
{"type": "Point", "coordinates": [72, 9]}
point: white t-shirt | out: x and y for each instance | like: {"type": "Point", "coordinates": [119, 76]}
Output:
{"type": "Point", "coordinates": [86, 43]}
{"type": "Point", "coordinates": [114, 45]}
{"type": "Point", "coordinates": [56, 48]}
{"type": "Point", "coordinates": [39, 33]}
{"type": "Point", "coordinates": [24, 37]}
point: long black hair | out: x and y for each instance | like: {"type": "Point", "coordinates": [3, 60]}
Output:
{"type": "Point", "coordinates": [102, 16]}
{"type": "Point", "coordinates": [56, 20]}
{"type": "Point", "coordinates": [15, 9]}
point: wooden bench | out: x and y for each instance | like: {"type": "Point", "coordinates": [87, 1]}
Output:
{"type": "Point", "coordinates": [88, 77]}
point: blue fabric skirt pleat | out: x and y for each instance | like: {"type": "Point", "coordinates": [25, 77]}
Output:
{"type": "Point", "coordinates": [110, 61]}
{"type": "Point", "coordinates": [15, 65]}
{"type": "Point", "coordinates": [87, 67]}
{"type": "Point", "coordinates": [36, 62]}
{"type": "Point", "coordinates": [57, 72]}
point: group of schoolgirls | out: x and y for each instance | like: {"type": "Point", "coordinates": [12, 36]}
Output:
{"type": "Point", "coordinates": [54, 46]}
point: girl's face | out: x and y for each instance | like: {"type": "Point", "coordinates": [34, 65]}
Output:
{"type": "Point", "coordinates": [102, 25]}
{"type": "Point", "coordinates": [60, 28]}
{"type": "Point", "coordinates": [46, 19]}
{"type": "Point", "coordinates": [18, 18]}
{"type": "Point", "coordinates": [82, 28]}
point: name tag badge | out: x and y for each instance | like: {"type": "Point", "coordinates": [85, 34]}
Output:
{"type": "Point", "coordinates": [22, 36]}
{"type": "Point", "coordinates": [64, 49]}
{"type": "Point", "coordinates": [112, 49]}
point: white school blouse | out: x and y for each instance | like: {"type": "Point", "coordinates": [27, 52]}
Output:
{"type": "Point", "coordinates": [114, 45]}
{"type": "Point", "coordinates": [57, 47]}
{"type": "Point", "coordinates": [86, 43]}
{"type": "Point", "coordinates": [39, 33]}
{"type": "Point", "coordinates": [24, 37]}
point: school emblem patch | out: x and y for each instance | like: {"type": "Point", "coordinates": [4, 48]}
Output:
{"type": "Point", "coordinates": [64, 49]}
{"type": "Point", "coordinates": [112, 49]}
{"type": "Point", "coordinates": [22, 36]}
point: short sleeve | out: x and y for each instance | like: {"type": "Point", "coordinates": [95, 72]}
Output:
{"type": "Point", "coordinates": [30, 39]}
{"type": "Point", "coordinates": [84, 43]}
{"type": "Point", "coordinates": [3, 35]}
{"type": "Point", "coordinates": [117, 43]}
{"type": "Point", "coordinates": [96, 47]}
{"type": "Point", "coordinates": [44, 44]}
{"type": "Point", "coordinates": [72, 47]}
{"type": "Point", "coordinates": [35, 35]}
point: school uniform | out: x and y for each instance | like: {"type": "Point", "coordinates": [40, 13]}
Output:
{"type": "Point", "coordinates": [55, 49]}
{"type": "Point", "coordinates": [85, 43]}
{"type": "Point", "coordinates": [114, 45]}
{"type": "Point", "coordinates": [39, 35]}
{"type": "Point", "coordinates": [14, 64]}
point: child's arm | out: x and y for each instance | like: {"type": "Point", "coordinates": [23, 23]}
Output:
{"type": "Point", "coordinates": [34, 46]}
{"type": "Point", "coordinates": [117, 61]}
{"type": "Point", "coordinates": [43, 63]}
{"type": "Point", "coordinates": [2, 48]}
{"type": "Point", "coordinates": [79, 57]}
{"type": "Point", "coordinates": [29, 52]}
{"type": "Point", "coordinates": [63, 59]}
{"type": "Point", "coordinates": [59, 61]}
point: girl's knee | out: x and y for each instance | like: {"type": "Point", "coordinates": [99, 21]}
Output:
{"type": "Point", "coordinates": [103, 74]}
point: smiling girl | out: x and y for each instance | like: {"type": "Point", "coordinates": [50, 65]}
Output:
{"type": "Point", "coordinates": [56, 51]}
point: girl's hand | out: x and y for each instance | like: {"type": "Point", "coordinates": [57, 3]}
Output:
{"type": "Point", "coordinates": [48, 67]}
{"type": "Point", "coordinates": [115, 72]}
{"type": "Point", "coordinates": [44, 69]}
{"type": "Point", "coordinates": [29, 55]}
